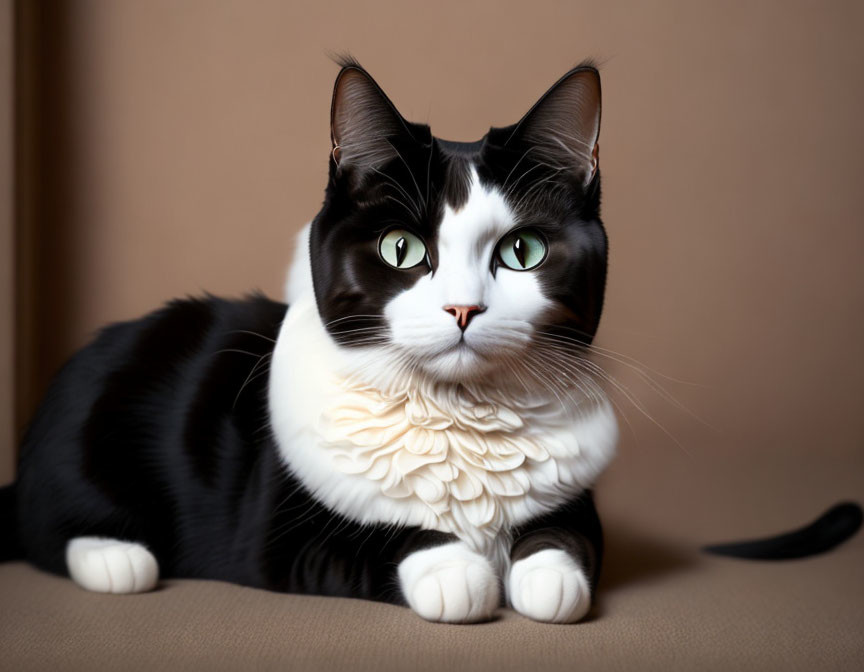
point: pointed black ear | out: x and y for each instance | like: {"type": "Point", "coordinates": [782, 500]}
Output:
{"type": "Point", "coordinates": [563, 126]}
{"type": "Point", "coordinates": [363, 121]}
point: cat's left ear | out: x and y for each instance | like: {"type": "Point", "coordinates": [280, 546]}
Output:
{"type": "Point", "coordinates": [364, 124]}
{"type": "Point", "coordinates": [564, 125]}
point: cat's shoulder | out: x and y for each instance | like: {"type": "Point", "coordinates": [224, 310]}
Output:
{"type": "Point", "coordinates": [169, 336]}
{"type": "Point", "coordinates": [192, 314]}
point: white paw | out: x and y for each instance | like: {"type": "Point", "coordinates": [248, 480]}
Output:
{"type": "Point", "coordinates": [550, 586]}
{"type": "Point", "coordinates": [111, 566]}
{"type": "Point", "coordinates": [450, 583]}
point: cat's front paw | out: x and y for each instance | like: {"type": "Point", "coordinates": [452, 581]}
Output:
{"type": "Point", "coordinates": [106, 565]}
{"type": "Point", "coordinates": [550, 586]}
{"type": "Point", "coordinates": [450, 583]}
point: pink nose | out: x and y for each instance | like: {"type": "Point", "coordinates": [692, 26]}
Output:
{"type": "Point", "coordinates": [464, 314]}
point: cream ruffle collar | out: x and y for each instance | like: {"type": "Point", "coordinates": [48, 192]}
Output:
{"type": "Point", "coordinates": [462, 458]}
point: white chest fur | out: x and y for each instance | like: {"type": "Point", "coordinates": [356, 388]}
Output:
{"type": "Point", "coordinates": [440, 457]}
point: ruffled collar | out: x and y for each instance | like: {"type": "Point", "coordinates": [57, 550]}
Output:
{"type": "Point", "coordinates": [461, 456]}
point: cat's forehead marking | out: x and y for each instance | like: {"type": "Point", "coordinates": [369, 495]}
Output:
{"type": "Point", "coordinates": [484, 217]}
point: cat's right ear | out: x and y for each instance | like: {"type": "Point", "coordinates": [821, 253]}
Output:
{"type": "Point", "coordinates": [564, 125]}
{"type": "Point", "coordinates": [363, 121]}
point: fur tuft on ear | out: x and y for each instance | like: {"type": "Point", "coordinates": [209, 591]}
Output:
{"type": "Point", "coordinates": [564, 125]}
{"type": "Point", "coordinates": [362, 120]}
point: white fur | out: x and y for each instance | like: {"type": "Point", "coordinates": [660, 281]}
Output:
{"type": "Point", "coordinates": [449, 583]}
{"type": "Point", "coordinates": [299, 281]}
{"type": "Point", "coordinates": [111, 566]}
{"type": "Point", "coordinates": [549, 586]}
{"type": "Point", "coordinates": [313, 380]}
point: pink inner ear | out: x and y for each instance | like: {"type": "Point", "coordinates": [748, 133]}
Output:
{"type": "Point", "coordinates": [595, 161]}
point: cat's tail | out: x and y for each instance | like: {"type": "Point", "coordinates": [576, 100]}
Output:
{"type": "Point", "coordinates": [832, 528]}
{"type": "Point", "coordinates": [10, 547]}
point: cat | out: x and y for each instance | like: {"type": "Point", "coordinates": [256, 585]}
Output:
{"type": "Point", "coordinates": [420, 424]}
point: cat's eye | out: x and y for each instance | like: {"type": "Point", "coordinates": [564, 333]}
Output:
{"type": "Point", "coordinates": [522, 250]}
{"type": "Point", "coordinates": [401, 249]}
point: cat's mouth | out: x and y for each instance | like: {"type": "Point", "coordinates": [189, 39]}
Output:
{"type": "Point", "coordinates": [457, 363]}
{"type": "Point", "coordinates": [459, 348]}
{"type": "Point", "coordinates": [461, 356]}
{"type": "Point", "coordinates": [464, 361]}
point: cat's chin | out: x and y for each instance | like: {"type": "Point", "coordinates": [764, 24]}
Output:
{"type": "Point", "coordinates": [460, 364]}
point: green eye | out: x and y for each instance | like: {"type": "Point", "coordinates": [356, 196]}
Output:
{"type": "Point", "coordinates": [401, 249]}
{"type": "Point", "coordinates": [522, 250]}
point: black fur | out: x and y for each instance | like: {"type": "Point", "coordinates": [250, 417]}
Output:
{"type": "Point", "coordinates": [575, 528]}
{"type": "Point", "coordinates": [832, 528]}
{"type": "Point", "coordinates": [9, 545]}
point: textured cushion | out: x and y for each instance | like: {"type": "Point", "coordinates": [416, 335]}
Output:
{"type": "Point", "coordinates": [663, 605]}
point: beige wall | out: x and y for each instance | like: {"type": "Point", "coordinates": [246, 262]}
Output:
{"type": "Point", "coordinates": [179, 146]}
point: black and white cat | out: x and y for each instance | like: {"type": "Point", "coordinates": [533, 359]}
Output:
{"type": "Point", "coordinates": [418, 427]}
{"type": "Point", "coordinates": [421, 425]}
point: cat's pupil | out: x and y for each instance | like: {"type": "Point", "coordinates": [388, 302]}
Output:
{"type": "Point", "coordinates": [519, 251]}
{"type": "Point", "coordinates": [401, 251]}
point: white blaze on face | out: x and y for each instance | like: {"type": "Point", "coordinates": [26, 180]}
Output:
{"type": "Point", "coordinates": [513, 300]}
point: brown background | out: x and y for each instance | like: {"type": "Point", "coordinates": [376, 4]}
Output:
{"type": "Point", "coordinates": [165, 148]}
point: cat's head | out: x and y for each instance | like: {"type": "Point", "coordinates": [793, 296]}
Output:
{"type": "Point", "coordinates": [461, 260]}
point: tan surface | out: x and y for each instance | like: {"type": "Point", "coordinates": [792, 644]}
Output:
{"type": "Point", "coordinates": [173, 147]}
{"type": "Point", "coordinates": [663, 606]}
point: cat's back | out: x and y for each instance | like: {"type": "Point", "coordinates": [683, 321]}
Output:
{"type": "Point", "coordinates": [146, 417]}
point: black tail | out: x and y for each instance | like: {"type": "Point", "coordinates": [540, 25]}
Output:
{"type": "Point", "coordinates": [832, 528]}
{"type": "Point", "coordinates": [10, 549]}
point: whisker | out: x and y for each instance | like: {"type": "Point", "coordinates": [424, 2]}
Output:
{"type": "Point", "coordinates": [631, 360]}
{"type": "Point", "coordinates": [250, 378]}
{"type": "Point", "coordinates": [235, 350]}
{"type": "Point", "coordinates": [656, 387]}
{"type": "Point", "coordinates": [404, 205]}
{"type": "Point", "coordinates": [515, 166]}
{"type": "Point", "coordinates": [417, 210]}
{"type": "Point", "coordinates": [252, 333]}
{"type": "Point", "coordinates": [624, 391]}
{"type": "Point", "coordinates": [350, 317]}
{"type": "Point", "coordinates": [410, 172]}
